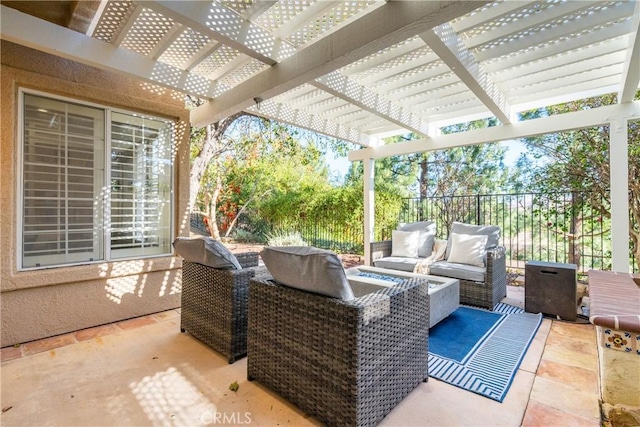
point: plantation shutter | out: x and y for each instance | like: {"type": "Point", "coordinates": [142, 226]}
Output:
{"type": "Point", "coordinates": [141, 179]}
{"type": "Point", "coordinates": [62, 176]}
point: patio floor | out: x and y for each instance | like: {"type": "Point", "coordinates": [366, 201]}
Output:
{"type": "Point", "coordinates": [143, 372]}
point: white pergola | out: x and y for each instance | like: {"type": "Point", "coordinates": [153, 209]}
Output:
{"type": "Point", "coordinates": [361, 70]}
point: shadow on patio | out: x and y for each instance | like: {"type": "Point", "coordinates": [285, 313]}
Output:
{"type": "Point", "coordinates": [145, 372]}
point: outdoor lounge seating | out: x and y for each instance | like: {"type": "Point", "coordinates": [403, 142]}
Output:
{"type": "Point", "coordinates": [214, 300]}
{"type": "Point", "coordinates": [347, 362]}
{"type": "Point", "coordinates": [483, 276]}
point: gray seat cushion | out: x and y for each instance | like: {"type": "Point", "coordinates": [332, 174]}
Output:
{"type": "Point", "coordinates": [458, 271]}
{"type": "Point", "coordinates": [206, 251]}
{"type": "Point", "coordinates": [309, 269]}
{"type": "Point", "coordinates": [397, 263]}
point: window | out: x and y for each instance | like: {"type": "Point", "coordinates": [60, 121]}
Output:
{"type": "Point", "coordinates": [69, 214]}
{"type": "Point", "coordinates": [140, 186]}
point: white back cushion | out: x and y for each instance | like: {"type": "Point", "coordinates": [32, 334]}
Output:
{"type": "Point", "coordinates": [468, 249]}
{"type": "Point", "coordinates": [404, 243]}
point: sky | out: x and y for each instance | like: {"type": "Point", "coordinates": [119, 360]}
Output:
{"type": "Point", "coordinates": [339, 166]}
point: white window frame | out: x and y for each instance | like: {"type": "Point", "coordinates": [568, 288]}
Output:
{"type": "Point", "coordinates": [106, 205]}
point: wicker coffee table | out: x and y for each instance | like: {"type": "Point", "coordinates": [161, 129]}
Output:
{"type": "Point", "coordinates": [444, 292]}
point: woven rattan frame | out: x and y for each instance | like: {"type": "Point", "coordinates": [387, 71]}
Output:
{"type": "Point", "coordinates": [485, 295]}
{"type": "Point", "coordinates": [347, 363]}
{"type": "Point", "coordinates": [214, 305]}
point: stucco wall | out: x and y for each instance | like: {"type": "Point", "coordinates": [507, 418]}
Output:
{"type": "Point", "coordinates": [43, 303]}
{"type": "Point", "coordinates": [619, 373]}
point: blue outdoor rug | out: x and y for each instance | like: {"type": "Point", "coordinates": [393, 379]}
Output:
{"type": "Point", "coordinates": [480, 350]}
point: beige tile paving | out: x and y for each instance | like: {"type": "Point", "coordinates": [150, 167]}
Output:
{"type": "Point", "coordinates": [565, 390]}
{"type": "Point", "coordinates": [166, 315]}
{"type": "Point", "coordinates": [98, 331]}
{"type": "Point", "coordinates": [48, 344]}
{"type": "Point", "coordinates": [145, 372]}
{"type": "Point", "coordinates": [534, 353]}
{"type": "Point", "coordinates": [10, 353]}
{"type": "Point", "coordinates": [570, 357]}
{"type": "Point", "coordinates": [565, 398]}
{"type": "Point", "coordinates": [539, 415]}
{"type": "Point", "coordinates": [137, 322]}
{"type": "Point", "coordinates": [151, 375]}
{"type": "Point", "coordinates": [579, 378]}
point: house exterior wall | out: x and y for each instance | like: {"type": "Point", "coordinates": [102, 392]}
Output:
{"type": "Point", "coordinates": [619, 368]}
{"type": "Point", "coordinates": [42, 303]}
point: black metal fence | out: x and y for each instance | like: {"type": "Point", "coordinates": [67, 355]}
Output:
{"type": "Point", "coordinates": [542, 227]}
{"type": "Point", "coordinates": [327, 233]}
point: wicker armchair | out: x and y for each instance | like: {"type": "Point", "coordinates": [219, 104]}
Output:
{"type": "Point", "coordinates": [481, 294]}
{"type": "Point", "coordinates": [214, 304]}
{"type": "Point", "coordinates": [346, 362]}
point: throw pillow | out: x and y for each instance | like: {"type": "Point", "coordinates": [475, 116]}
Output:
{"type": "Point", "coordinates": [206, 251]}
{"type": "Point", "coordinates": [309, 269]}
{"type": "Point", "coordinates": [404, 243]}
{"type": "Point", "coordinates": [492, 231]}
{"type": "Point", "coordinates": [426, 238]}
{"type": "Point", "coordinates": [439, 249]}
{"type": "Point", "coordinates": [468, 249]}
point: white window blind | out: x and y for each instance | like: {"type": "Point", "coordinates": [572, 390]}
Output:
{"type": "Point", "coordinates": [63, 174]}
{"type": "Point", "coordinates": [69, 213]}
{"type": "Point", "coordinates": [140, 186]}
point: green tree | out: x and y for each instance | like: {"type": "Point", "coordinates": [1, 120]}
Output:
{"type": "Point", "coordinates": [392, 175]}
{"type": "Point", "coordinates": [578, 164]}
{"type": "Point", "coordinates": [237, 162]}
{"type": "Point", "coordinates": [457, 171]}
{"type": "Point", "coordinates": [207, 144]}
{"type": "Point", "coordinates": [267, 164]}
{"type": "Point", "coordinates": [448, 176]}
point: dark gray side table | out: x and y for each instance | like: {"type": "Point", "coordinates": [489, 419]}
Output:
{"type": "Point", "coordinates": [550, 288]}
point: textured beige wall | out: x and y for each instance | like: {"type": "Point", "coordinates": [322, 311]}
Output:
{"type": "Point", "coordinates": [619, 375]}
{"type": "Point", "coordinates": [43, 303]}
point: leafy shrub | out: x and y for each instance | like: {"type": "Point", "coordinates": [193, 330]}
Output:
{"type": "Point", "coordinates": [285, 238]}
{"type": "Point", "coordinates": [244, 236]}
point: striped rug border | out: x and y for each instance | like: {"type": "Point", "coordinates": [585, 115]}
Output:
{"type": "Point", "coordinates": [490, 370]}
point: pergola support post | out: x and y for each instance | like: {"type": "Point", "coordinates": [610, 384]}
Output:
{"type": "Point", "coordinates": [369, 208]}
{"type": "Point", "coordinates": [619, 177]}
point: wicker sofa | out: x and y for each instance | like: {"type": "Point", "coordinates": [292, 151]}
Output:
{"type": "Point", "coordinates": [346, 362]}
{"type": "Point", "coordinates": [485, 294]}
{"type": "Point", "coordinates": [482, 286]}
{"type": "Point", "coordinates": [214, 304]}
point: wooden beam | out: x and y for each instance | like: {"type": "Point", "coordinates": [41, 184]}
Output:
{"type": "Point", "coordinates": [619, 193]}
{"type": "Point", "coordinates": [35, 33]}
{"type": "Point", "coordinates": [351, 91]}
{"type": "Point", "coordinates": [256, 9]}
{"type": "Point", "coordinates": [525, 129]}
{"type": "Point", "coordinates": [284, 114]}
{"type": "Point", "coordinates": [444, 41]}
{"type": "Point", "coordinates": [393, 52]}
{"type": "Point", "coordinates": [167, 40]}
{"type": "Point", "coordinates": [631, 71]}
{"type": "Point", "coordinates": [383, 27]}
{"type": "Point", "coordinates": [308, 14]}
{"type": "Point", "coordinates": [132, 15]}
{"type": "Point", "coordinates": [552, 63]}
{"type": "Point", "coordinates": [586, 23]}
{"type": "Point", "coordinates": [548, 14]}
{"type": "Point", "coordinates": [224, 25]}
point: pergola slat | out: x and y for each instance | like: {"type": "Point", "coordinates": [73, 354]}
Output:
{"type": "Point", "coordinates": [631, 73]}
{"type": "Point", "coordinates": [386, 26]}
